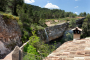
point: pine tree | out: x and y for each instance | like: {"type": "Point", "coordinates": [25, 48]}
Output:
{"type": "Point", "coordinates": [3, 5]}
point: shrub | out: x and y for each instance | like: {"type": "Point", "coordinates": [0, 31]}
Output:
{"type": "Point", "coordinates": [17, 18]}
{"type": "Point", "coordinates": [37, 47]}
{"type": "Point", "coordinates": [7, 16]}
{"type": "Point", "coordinates": [67, 19]}
{"type": "Point", "coordinates": [25, 36]}
{"type": "Point", "coordinates": [36, 27]}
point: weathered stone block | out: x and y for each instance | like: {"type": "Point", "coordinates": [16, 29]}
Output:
{"type": "Point", "coordinates": [15, 53]}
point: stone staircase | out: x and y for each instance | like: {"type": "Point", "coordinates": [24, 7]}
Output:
{"type": "Point", "coordinates": [72, 50]}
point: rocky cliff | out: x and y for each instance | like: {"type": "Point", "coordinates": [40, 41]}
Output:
{"type": "Point", "coordinates": [10, 35]}
{"type": "Point", "coordinates": [52, 32]}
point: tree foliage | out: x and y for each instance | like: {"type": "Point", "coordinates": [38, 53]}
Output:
{"type": "Point", "coordinates": [3, 5]}
{"type": "Point", "coordinates": [37, 47]}
{"type": "Point", "coordinates": [12, 5]}
{"type": "Point", "coordinates": [83, 14]}
{"type": "Point", "coordinates": [86, 26]}
{"type": "Point", "coordinates": [72, 23]}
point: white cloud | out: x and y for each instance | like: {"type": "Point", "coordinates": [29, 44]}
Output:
{"type": "Point", "coordinates": [29, 1]}
{"type": "Point", "coordinates": [76, 7]}
{"type": "Point", "coordinates": [76, 12]}
{"type": "Point", "coordinates": [51, 6]}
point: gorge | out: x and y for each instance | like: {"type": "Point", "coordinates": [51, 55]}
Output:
{"type": "Point", "coordinates": [10, 34]}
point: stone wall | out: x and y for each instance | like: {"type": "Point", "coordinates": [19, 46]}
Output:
{"type": "Point", "coordinates": [10, 35]}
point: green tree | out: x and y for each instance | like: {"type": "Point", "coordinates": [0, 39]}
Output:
{"type": "Point", "coordinates": [72, 23]}
{"type": "Point", "coordinates": [38, 47]}
{"type": "Point", "coordinates": [69, 37]}
{"type": "Point", "coordinates": [85, 28]}
{"type": "Point", "coordinates": [83, 14]}
{"type": "Point", "coordinates": [12, 5]}
{"type": "Point", "coordinates": [3, 5]}
{"type": "Point", "coordinates": [36, 18]}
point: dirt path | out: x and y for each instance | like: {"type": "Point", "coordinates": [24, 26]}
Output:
{"type": "Point", "coordinates": [49, 24]}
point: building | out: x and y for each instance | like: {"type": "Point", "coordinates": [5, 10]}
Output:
{"type": "Point", "coordinates": [76, 33]}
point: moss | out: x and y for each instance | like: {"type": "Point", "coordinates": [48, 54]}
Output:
{"type": "Point", "coordinates": [11, 17]}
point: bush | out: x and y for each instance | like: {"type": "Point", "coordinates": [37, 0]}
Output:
{"type": "Point", "coordinates": [37, 47]}
{"type": "Point", "coordinates": [36, 27]}
{"type": "Point", "coordinates": [67, 19]}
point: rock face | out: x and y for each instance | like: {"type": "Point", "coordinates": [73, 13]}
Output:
{"type": "Point", "coordinates": [52, 32]}
{"type": "Point", "coordinates": [79, 22]}
{"type": "Point", "coordinates": [10, 35]}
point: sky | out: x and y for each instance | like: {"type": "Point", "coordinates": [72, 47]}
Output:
{"type": "Point", "coordinates": [75, 6]}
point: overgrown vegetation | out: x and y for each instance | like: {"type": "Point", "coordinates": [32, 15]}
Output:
{"type": "Point", "coordinates": [11, 17]}
{"type": "Point", "coordinates": [72, 23]}
{"type": "Point", "coordinates": [86, 27]}
{"type": "Point", "coordinates": [37, 47]}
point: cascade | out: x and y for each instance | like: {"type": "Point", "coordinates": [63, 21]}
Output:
{"type": "Point", "coordinates": [46, 35]}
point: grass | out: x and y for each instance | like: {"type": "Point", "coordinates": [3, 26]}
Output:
{"type": "Point", "coordinates": [9, 16]}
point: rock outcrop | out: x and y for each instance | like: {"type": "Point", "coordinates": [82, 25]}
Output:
{"type": "Point", "coordinates": [79, 22]}
{"type": "Point", "coordinates": [52, 32]}
{"type": "Point", "coordinates": [10, 35]}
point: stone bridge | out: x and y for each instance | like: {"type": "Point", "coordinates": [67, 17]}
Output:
{"type": "Point", "coordinates": [72, 50]}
